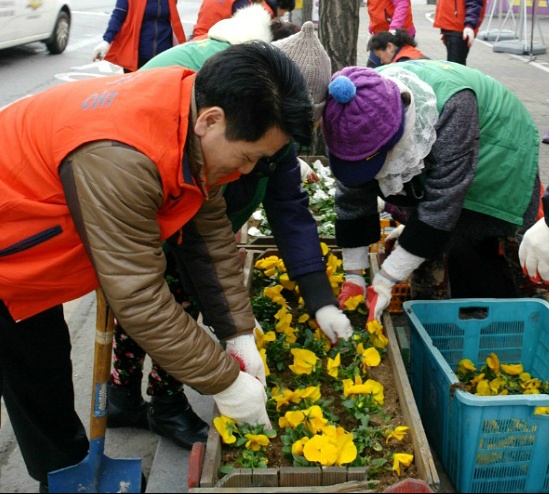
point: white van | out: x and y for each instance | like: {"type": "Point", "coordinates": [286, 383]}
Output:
{"type": "Point", "coordinates": [25, 21]}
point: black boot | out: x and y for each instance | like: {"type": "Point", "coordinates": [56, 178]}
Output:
{"type": "Point", "coordinates": [172, 417]}
{"type": "Point", "coordinates": [126, 407]}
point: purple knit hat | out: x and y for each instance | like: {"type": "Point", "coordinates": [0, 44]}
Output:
{"type": "Point", "coordinates": [363, 120]}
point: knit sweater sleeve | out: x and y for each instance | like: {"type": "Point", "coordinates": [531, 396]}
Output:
{"type": "Point", "coordinates": [357, 219]}
{"type": "Point", "coordinates": [450, 170]}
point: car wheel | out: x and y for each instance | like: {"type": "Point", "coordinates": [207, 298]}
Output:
{"type": "Point", "coordinates": [59, 38]}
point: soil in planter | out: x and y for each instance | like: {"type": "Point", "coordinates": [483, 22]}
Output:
{"type": "Point", "coordinates": [385, 476]}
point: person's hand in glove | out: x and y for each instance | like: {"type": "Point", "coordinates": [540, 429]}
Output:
{"type": "Point", "coordinates": [469, 36]}
{"type": "Point", "coordinates": [244, 349]}
{"type": "Point", "coordinates": [398, 266]}
{"type": "Point", "coordinates": [391, 240]}
{"type": "Point", "coordinates": [354, 285]}
{"type": "Point", "coordinates": [355, 260]}
{"type": "Point", "coordinates": [100, 51]}
{"type": "Point", "coordinates": [244, 401]}
{"type": "Point", "coordinates": [534, 252]}
{"type": "Point", "coordinates": [307, 173]}
{"type": "Point", "coordinates": [333, 323]}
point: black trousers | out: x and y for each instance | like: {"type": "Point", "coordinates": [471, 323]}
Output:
{"type": "Point", "coordinates": [36, 384]}
{"type": "Point", "coordinates": [456, 48]}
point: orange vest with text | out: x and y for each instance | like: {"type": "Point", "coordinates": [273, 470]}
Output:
{"type": "Point", "coordinates": [125, 47]}
{"type": "Point", "coordinates": [42, 259]}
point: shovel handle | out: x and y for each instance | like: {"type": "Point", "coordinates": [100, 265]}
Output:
{"type": "Point", "coordinates": [101, 366]}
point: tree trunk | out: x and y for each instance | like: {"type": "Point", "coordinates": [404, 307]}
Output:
{"type": "Point", "coordinates": [338, 31]}
{"type": "Point", "coordinates": [307, 12]}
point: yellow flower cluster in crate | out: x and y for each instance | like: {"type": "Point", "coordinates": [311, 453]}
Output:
{"type": "Point", "coordinates": [298, 361]}
{"type": "Point", "coordinates": [497, 379]}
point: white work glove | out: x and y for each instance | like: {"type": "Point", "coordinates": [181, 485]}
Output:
{"type": "Point", "coordinates": [100, 51]}
{"type": "Point", "coordinates": [333, 323]}
{"type": "Point", "coordinates": [244, 401]}
{"type": "Point", "coordinates": [244, 349]}
{"type": "Point", "coordinates": [379, 296]}
{"type": "Point", "coordinates": [307, 173]}
{"type": "Point", "coordinates": [534, 252]}
{"type": "Point", "coordinates": [398, 266]}
{"type": "Point", "coordinates": [469, 36]}
{"type": "Point", "coordinates": [354, 285]}
{"type": "Point", "coordinates": [391, 240]}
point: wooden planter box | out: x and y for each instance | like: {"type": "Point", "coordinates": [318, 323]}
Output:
{"type": "Point", "coordinates": [206, 459]}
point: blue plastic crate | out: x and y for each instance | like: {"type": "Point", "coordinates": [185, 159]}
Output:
{"type": "Point", "coordinates": [486, 444]}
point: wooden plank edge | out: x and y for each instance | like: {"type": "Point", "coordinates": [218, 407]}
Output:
{"type": "Point", "coordinates": [423, 456]}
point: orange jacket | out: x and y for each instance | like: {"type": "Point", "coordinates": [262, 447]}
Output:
{"type": "Point", "coordinates": [35, 223]}
{"type": "Point", "coordinates": [408, 52]}
{"type": "Point", "coordinates": [390, 14]}
{"type": "Point", "coordinates": [210, 13]}
{"type": "Point", "coordinates": [125, 47]}
{"type": "Point", "coordinates": [455, 15]}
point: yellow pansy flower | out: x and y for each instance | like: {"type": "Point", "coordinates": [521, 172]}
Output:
{"type": "Point", "coordinates": [283, 398]}
{"type": "Point", "coordinates": [541, 411]}
{"type": "Point", "coordinates": [304, 361]}
{"type": "Point", "coordinates": [266, 262]}
{"type": "Point", "coordinates": [397, 433]}
{"type": "Point", "coordinates": [263, 355]}
{"type": "Point", "coordinates": [332, 366]}
{"type": "Point", "coordinates": [324, 247]}
{"type": "Point", "coordinates": [309, 393]}
{"type": "Point", "coordinates": [273, 292]}
{"type": "Point", "coordinates": [262, 339]}
{"type": "Point", "coordinates": [285, 281]}
{"type": "Point", "coordinates": [225, 426]}
{"type": "Point", "coordinates": [493, 362]}
{"type": "Point", "coordinates": [370, 358]}
{"type": "Point", "coordinates": [320, 449]}
{"type": "Point", "coordinates": [297, 447]}
{"type": "Point", "coordinates": [356, 387]}
{"type": "Point", "coordinates": [352, 303]}
{"type": "Point", "coordinates": [303, 318]}
{"type": "Point", "coordinates": [403, 459]}
{"type": "Point", "coordinates": [256, 441]}
{"type": "Point", "coordinates": [465, 365]}
{"type": "Point", "coordinates": [378, 339]}
{"type": "Point", "coordinates": [512, 369]}
{"type": "Point", "coordinates": [483, 388]}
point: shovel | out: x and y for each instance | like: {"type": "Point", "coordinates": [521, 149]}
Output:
{"type": "Point", "coordinates": [97, 472]}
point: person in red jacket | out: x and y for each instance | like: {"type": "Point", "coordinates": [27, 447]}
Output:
{"type": "Point", "coordinates": [138, 30]}
{"type": "Point", "coordinates": [389, 15]}
{"type": "Point", "coordinates": [397, 47]}
{"type": "Point", "coordinates": [88, 196]}
{"type": "Point", "coordinates": [459, 22]}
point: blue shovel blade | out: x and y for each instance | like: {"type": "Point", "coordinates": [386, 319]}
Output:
{"type": "Point", "coordinates": [98, 473]}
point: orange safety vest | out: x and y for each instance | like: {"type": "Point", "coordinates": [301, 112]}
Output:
{"type": "Point", "coordinates": [450, 15]}
{"type": "Point", "coordinates": [408, 52]}
{"type": "Point", "coordinates": [210, 13]}
{"type": "Point", "coordinates": [43, 262]}
{"type": "Point", "coordinates": [381, 13]}
{"type": "Point", "coordinates": [124, 49]}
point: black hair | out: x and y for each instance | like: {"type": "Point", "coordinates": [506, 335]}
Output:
{"type": "Point", "coordinates": [281, 29]}
{"type": "Point", "coordinates": [288, 5]}
{"type": "Point", "coordinates": [258, 87]}
{"type": "Point", "coordinates": [379, 41]}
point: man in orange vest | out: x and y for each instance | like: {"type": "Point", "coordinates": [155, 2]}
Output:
{"type": "Point", "coordinates": [87, 197]}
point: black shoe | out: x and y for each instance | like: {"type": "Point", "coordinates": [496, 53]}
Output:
{"type": "Point", "coordinates": [126, 407]}
{"type": "Point", "coordinates": [172, 417]}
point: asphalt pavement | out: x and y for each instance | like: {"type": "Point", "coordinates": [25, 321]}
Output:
{"type": "Point", "coordinates": [166, 464]}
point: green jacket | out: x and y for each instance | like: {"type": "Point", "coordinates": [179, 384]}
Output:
{"type": "Point", "coordinates": [508, 147]}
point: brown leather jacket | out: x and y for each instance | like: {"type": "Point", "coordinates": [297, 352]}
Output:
{"type": "Point", "coordinates": [129, 260]}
